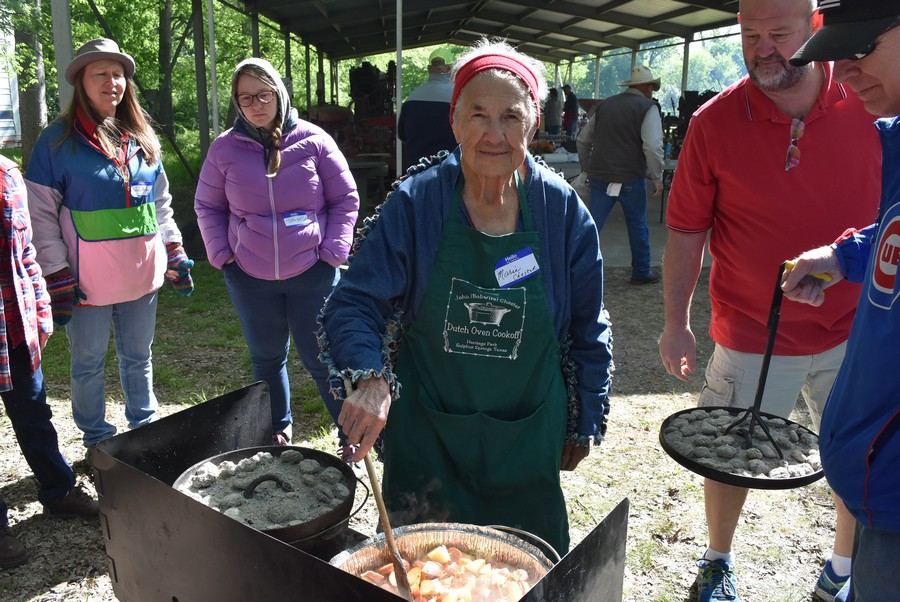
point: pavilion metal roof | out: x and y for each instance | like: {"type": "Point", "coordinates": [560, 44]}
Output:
{"type": "Point", "coordinates": [551, 30]}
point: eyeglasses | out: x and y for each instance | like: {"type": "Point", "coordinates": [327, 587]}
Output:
{"type": "Point", "coordinates": [264, 97]}
{"type": "Point", "coordinates": [793, 153]}
{"type": "Point", "coordinates": [858, 56]}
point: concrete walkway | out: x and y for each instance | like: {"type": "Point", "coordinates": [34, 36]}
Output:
{"type": "Point", "coordinates": [614, 238]}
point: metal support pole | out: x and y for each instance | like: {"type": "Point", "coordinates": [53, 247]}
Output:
{"type": "Point", "coordinates": [254, 33]}
{"type": "Point", "coordinates": [200, 69]}
{"type": "Point", "coordinates": [308, 82]}
{"type": "Point", "coordinates": [61, 19]}
{"type": "Point", "coordinates": [685, 63]}
{"type": "Point", "coordinates": [214, 90]}
{"type": "Point", "coordinates": [398, 93]}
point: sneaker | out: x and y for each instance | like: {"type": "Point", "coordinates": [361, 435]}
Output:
{"type": "Point", "coordinates": [829, 583]}
{"type": "Point", "coordinates": [715, 582]}
{"type": "Point", "coordinates": [77, 503]}
{"type": "Point", "coordinates": [651, 278]}
{"type": "Point", "coordinates": [12, 552]}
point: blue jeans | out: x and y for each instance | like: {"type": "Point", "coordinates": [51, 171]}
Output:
{"type": "Point", "coordinates": [29, 413]}
{"type": "Point", "coordinates": [134, 324]}
{"type": "Point", "coordinates": [553, 130]}
{"type": "Point", "coordinates": [876, 565]}
{"type": "Point", "coordinates": [271, 311]}
{"type": "Point", "coordinates": [633, 197]}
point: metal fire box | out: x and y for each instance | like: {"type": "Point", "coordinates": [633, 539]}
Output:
{"type": "Point", "coordinates": [163, 546]}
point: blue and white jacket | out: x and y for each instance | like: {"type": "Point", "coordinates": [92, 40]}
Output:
{"type": "Point", "coordinates": [108, 230]}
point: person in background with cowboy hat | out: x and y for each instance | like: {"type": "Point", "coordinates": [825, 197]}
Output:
{"type": "Point", "coordinates": [860, 435]}
{"type": "Point", "coordinates": [105, 234]}
{"type": "Point", "coordinates": [759, 159]}
{"type": "Point", "coordinates": [423, 126]}
{"type": "Point", "coordinates": [619, 149]}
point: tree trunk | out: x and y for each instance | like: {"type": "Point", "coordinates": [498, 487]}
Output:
{"type": "Point", "coordinates": [32, 104]}
{"type": "Point", "coordinates": [164, 99]}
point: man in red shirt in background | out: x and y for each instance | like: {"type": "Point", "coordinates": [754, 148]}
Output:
{"type": "Point", "coordinates": [783, 146]}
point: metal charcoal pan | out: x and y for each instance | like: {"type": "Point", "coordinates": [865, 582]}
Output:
{"type": "Point", "coordinates": [755, 416]}
{"type": "Point", "coordinates": [728, 478]}
{"type": "Point", "coordinates": [303, 535]}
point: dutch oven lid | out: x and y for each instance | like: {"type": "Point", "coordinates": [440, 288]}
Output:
{"type": "Point", "coordinates": [297, 531]}
{"type": "Point", "coordinates": [714, 464]}
{"type": "Point", "coordinates": [737, 445]}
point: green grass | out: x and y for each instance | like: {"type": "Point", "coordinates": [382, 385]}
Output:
{"type": "Point", "coordinates": [12, 153]}
{"type": "Point", "coordinates": [199, 353]}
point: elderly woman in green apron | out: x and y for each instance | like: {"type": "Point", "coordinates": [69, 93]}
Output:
{"type": "Point", "coordinates": [468, 336]}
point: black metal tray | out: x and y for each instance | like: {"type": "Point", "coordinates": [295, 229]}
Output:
{"type": "Point", "coordinates": [727, 477]}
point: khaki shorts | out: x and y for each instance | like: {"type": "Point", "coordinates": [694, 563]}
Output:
{"type": "Point", "coordinates": [732, 378]}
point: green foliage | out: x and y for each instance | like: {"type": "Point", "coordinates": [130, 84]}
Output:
{"type": "Point", "coordinates": [199, 353]}
{"type": "Point", "coordinates": [716, 60]}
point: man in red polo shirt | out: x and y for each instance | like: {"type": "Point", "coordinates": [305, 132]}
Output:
{"type": "Point", "coordinates": [783, 146]}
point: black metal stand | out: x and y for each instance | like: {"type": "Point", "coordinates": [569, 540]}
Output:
{"type": "Point", "coordinates": [752, 413]}
{"type": "Point", "coordinates": [164, 545]}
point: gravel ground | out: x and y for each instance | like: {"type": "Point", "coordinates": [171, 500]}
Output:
{"type": "Point", "coordinates": [783, 538]}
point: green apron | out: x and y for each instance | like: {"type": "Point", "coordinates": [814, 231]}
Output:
{"type": "Point", "coordinates": [477, 433]}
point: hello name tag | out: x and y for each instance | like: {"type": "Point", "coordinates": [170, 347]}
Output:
{"type": "Point", "coordinates": [141, 189]}
{"type": "Point", "coordinates": [516, 267]}
{"type": "Point", "coordinates": [296, 218]}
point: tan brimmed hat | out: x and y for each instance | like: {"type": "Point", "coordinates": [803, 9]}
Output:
{"type": "Point", "coordinates": [98, 50]}
{"type": "Point", "coordinates": [641, 75]}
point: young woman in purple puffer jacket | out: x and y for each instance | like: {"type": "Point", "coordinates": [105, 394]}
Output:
{"type": "Point", "coordinates": [276, 205]}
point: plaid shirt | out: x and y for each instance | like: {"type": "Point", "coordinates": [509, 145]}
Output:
{"type": "Point", "coordinates": [24, 301]}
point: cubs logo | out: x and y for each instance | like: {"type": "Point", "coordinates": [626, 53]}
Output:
{"type": "Point", "coordinates": [884, 264]}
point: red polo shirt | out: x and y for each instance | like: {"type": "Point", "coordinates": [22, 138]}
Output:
{"type": "Point", "coordinates": [731, 181]}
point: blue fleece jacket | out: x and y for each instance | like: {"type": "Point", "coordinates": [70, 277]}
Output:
{"type": "Point", "coordinates": [383, 289]}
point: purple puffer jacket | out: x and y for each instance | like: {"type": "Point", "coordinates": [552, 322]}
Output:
{"type": "Point", "coordinates": [276, 228]}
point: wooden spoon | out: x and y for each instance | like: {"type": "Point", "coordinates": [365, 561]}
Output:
{"type": "Point", "coordinates": [396, 560]}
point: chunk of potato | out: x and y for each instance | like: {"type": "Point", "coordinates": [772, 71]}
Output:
{"type": "Point", "coordinates": [440, 554]}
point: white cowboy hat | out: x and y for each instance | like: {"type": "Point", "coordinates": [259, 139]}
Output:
{"type": "Point", "coordinates": [641, 75]}
{"type": "Point", "coordinates": [98, 50]}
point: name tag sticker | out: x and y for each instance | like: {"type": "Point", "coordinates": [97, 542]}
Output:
{"type": "Point", "coordinates": [516, 267]}
{"type": "Point", "coordinates": [296, 218]}
{"type": "Point", "coordinates": [614, 189]}
{"type": "Point", "coordinates": [141, 189]}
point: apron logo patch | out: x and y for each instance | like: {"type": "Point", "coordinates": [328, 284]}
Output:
{"type": "Point", "coordinates": [484, 321]}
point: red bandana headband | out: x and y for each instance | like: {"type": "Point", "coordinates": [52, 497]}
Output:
{"type": "Point", "coordinates": [494, 61]}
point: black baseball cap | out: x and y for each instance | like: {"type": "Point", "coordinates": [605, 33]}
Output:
{"type": "Point", "coordinates": [848, 27]}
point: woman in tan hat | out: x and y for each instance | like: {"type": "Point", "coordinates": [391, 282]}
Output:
{"type": "Point", "coordinates": [104, 233]}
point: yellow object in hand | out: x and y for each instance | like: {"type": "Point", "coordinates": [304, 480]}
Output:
{"type": "Point", "coordinates": [821, 275]}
